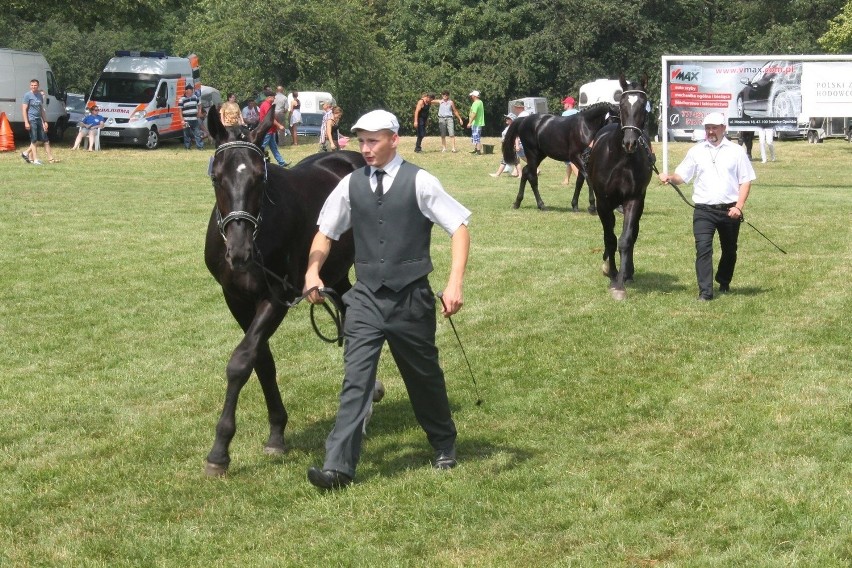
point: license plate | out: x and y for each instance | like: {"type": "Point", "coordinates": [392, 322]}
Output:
{"type": "Point", "coordinates": [110, 133]}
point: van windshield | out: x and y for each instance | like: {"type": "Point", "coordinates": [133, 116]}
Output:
{"type": "Point", "coordinates": [125, 88]}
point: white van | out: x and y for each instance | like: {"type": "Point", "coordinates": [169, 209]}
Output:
{"type": "Point", "coordinates": [17, 69]}
{"type": "Point", "coordinates": [138, 94]}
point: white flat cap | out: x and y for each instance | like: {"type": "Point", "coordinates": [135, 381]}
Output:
{"type": "Point", "coordinates": [377, 120]}
{"type": "Point", "coordinates": [715, 118]}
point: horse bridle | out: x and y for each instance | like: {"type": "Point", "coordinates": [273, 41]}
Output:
{"type": "Point", "coordinates": [222, 222]}
{"type": "Point", "coordinates": [636, 128]}
{"type": "Point", "coordinates": [328, 293]}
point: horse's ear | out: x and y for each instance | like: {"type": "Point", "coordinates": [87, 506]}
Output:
{"type": "Point", "coordinates": [259, 131]}
{"type": "Point", "coordinates": [623, 80]}
{"type": "Point", "coordinates": [214, 124]}
{"type": "Point", "coordinates": [644, 81]}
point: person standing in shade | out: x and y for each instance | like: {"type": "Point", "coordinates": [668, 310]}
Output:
{"type": "Point", "coordinates": [188, 104]}
{"type": "Point", "coordinates": [723, 176]}
{"type": "Point", "coordinates": [475, 121]}
{"type": "Point", "coordinates": [421, 118]}
{"type": "Point", "coordinates": [35, 121]}
{"type": "Point", "coordinates": [295, 116]}
{"type": "Point", "coordinates": [391, 206]}
{"type": "Point", "coordinates": [446, 111]}
{"type": "Point", "coordinates": [282, 107]}
{"type": "Point", "coordinates": [269, 138]}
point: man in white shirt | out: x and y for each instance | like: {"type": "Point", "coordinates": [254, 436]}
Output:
{"type": "Point", "coordinates": [723, 176]}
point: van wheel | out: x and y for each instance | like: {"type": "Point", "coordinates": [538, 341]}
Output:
{"type": "Point", "coordinates": [57, 133]}
{"type": "Point", "coordinates": [153, 139]}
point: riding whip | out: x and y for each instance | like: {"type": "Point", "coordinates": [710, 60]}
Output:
{"type": "Point", "coordinates": [742, 217]}
{"type": "Point", "coordinates": [469, 368]}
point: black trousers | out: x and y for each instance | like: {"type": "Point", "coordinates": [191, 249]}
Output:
{"type": "Point", "coordinates": [421, 134]}
{"type": "Point", "coordinates": [706, 221]}
{"type": "Point", "coordinates": [406, 321]}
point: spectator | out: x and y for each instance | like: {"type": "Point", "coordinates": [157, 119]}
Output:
{"type": "Point", "coordinates": [269, 138]}
{"type": "Point", "coordinates": [767, 139]}
{"type": "Point", "coordinates": [251, 115]}
{"type": "Point", "coordinates": [475, 121]}
{"type": "Point", "coordinates": [421, 118]}
{"type": "Point", "coordinates": [232, 98]}
{"type": "Point", "coordinates": [325, 126]}
{"type": "Point", "coordinates": [35, 120]}
{"type": "Point", "coordinates": [230, 114]}
{"type": "Point", "coordinates": [89, 126]}
{"type": "Point", "coordinates": [446, 111]}
{"type": "Point", "coordinates": [504, 167]}
{"type": "Point", "coordinates": [188, 105]}
{"type": "Point", "coordinates": [281, 108]}
{"type": "Point", "coordinates": [567, 110]}
{"type": "Point", "coordinates": [295, 116]}
{"type": "Point", "coordinates": [746, 139]}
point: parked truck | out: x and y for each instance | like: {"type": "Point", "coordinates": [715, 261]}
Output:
{"type": "Point", "coordinates": [17, 69]}
{"type": "Point", "coordinates": [138, 94]}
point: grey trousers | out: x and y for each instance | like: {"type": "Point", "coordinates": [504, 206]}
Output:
{"type": "Point", "coordinates": [406, 320]}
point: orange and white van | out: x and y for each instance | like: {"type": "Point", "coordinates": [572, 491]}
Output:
{"type": "Point", "coordinates": [138, 94]}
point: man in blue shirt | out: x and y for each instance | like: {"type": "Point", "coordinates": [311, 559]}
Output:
{"type": "Point", "coordinates": [35, 121]}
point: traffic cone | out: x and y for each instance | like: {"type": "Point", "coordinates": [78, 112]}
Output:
{"type": "Point", "coordinates": [7, 139]}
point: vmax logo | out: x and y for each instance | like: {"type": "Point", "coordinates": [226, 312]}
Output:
{"type": "Point", "coordinates": [686, 74]}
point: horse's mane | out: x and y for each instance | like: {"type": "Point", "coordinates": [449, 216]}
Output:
{"type": "Point", "coordinates": [597, 108]}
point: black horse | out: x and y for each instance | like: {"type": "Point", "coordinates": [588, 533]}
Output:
{"type": "Point", "coordinates": [258, 239]}
{"type": "Point", "coordinates": [619, 169]}
{"type": "Point", "coordinates": [559, 137]}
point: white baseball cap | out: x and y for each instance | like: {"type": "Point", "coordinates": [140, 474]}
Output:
{"type": "Point", "coordinates": [474, 94]}
{"type": "Point", "coordinates": [377, 120]}
{"type": "Point", "coordinates": [715, 118]}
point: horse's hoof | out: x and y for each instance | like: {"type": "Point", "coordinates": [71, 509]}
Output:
{"type": "Point", "coordinates": [592, 210]}
{"type": "Point", "coordinates": [605, 268]}
{"type": "Point", "coordinates": [516, 205]}
{"type": "Point", "coordinates": [618, 294]}
{"type": "Point", "coordinates": [215, 469]}
{"type": "Point", "coordinates": [575, 209]}
{"type": "Point", "coordinates": [274, 450]}
{"type": "Point", "coordinates": [542, 207]}
{"type": "Point", "coordinates": [378, 391]}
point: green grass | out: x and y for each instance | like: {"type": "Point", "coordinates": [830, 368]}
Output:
{"type": "Point", "coordinates": [658, 431]}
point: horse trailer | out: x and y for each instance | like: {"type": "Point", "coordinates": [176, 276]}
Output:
{"type": "Point", "coordinates": [820, 128]}
{"type": "Point", "coordinates": [599, 91]}
{"type": "Point", "coordinates": [528, 105]}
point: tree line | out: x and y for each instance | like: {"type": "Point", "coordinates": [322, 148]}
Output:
{"type": "Point", "coordinates": [385, 53]}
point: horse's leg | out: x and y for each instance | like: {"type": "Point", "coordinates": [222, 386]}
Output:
{"type": "Point", "coordinates": [629, 234]}
{"type": "Point", "coordinates": [524, 177]}
{"type": "Point", "coordinates": [259, 326]}
{"type": "Point", "coordinates": [266, 374]}
{"type": "Point", "coordinates": [592, 208]}
{"type": "Point", "coordinates": [533, 176]}
{"type": "Point", "coordinates": [607, 217]}
{"type": "Point", "coordinates": [575, 201]}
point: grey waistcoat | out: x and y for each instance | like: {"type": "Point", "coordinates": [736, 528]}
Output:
{"type": "Point", "coordinates": [392, 236]}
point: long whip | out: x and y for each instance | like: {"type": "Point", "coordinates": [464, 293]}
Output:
{"type": "Point", "coordinates": [469, 368]}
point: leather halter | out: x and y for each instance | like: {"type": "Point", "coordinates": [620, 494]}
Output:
{"type": "Point", "coordinates": [222, 222]}
{"type": "Point", "coordinates": [631, 127]}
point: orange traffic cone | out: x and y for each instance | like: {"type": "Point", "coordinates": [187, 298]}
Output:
{"type": "Point", "coordinates": [7, 139]}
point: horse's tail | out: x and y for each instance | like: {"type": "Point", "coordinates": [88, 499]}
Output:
{"type": "Point", "coordinates": [509, 155]}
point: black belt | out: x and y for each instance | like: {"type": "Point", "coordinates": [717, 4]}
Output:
{"type": "Point", "coordinates": [716, 206]}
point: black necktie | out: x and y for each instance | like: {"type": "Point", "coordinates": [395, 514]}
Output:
{"type": "Point", "coordinates": [380, 191]}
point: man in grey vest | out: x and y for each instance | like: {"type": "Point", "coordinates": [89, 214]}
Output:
{"type": "Point", "coordinates": [391, 206]}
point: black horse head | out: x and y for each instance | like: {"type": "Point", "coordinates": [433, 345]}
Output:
{"type": "Point", "coordinates": [633, 111]}
{"type": "Point", "coordinates": [238, 170]}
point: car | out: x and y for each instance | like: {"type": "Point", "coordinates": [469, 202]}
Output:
{"type": "Point", "coordinates": [75, 106]}
{"type": "Point", "coordinates": [774, 91]}
{"type": "Point", "coordinates": [311, 124]}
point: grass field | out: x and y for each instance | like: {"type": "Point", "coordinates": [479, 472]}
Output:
{"type": "Point", "coordinates": [658, 431]}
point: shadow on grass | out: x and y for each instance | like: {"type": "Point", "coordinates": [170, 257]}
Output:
{"type": "Point", "coordinates": [388, 448]}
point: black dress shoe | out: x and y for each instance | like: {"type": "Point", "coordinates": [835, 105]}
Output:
{"type": "Point", "coordinates": [328, 478]}
{"type": "Point", "coordinates": [445, 459]}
